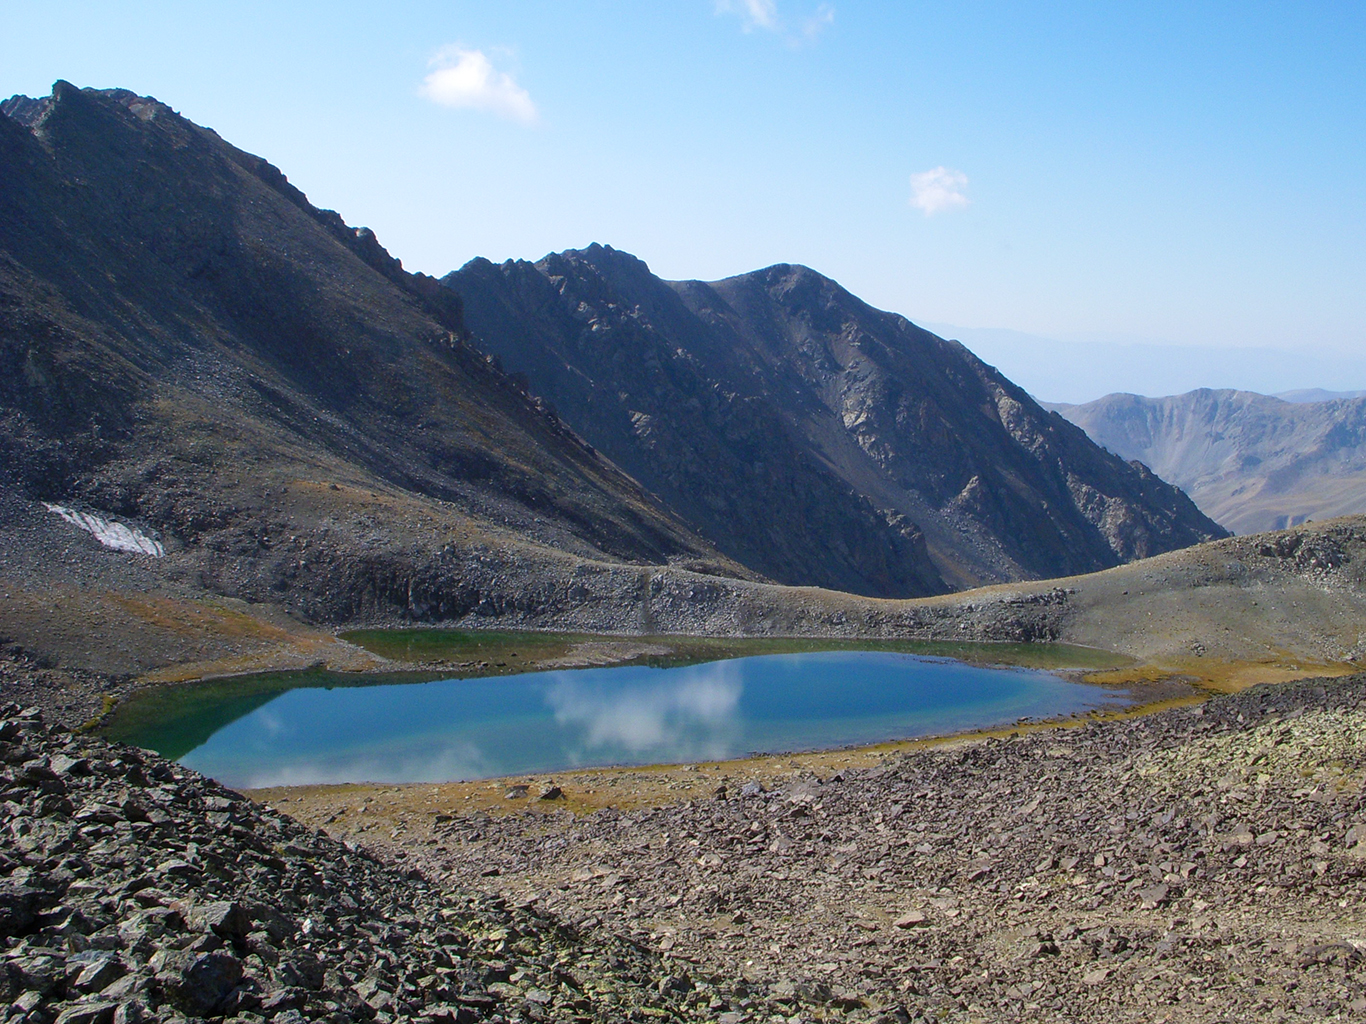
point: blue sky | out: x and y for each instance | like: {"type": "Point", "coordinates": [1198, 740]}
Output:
{"type": "Point", "coordinates": [1188, 174]}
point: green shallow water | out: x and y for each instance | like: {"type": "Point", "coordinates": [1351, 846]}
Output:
{"type": "Point", "coordinates": [454, 645]}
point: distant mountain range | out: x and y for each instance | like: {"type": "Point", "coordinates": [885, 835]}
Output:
{"type": "Point", "coordinates": [1251, 462]}
{"type": "Point", "coordinates": [1316, 395]}
{"type": "Point", "coordinates": [1081, 369]}
{"type": "Point", "coordinates": [272, 409]}
{"type": "Point", "coordinates": [812, 437]}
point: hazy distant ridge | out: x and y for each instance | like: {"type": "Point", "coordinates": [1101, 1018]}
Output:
{"type": "Point", "coordinates": [1251, 462]}
{"type": "Point", "coordinates": [1086, 369]}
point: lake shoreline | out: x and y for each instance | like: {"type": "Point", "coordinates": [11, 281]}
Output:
{"type": "Point", "coordinates": [1143, 867]}
{"type": "Point", "coordinates": [429, 655]}
{"type": "Point", "coordinates": [585, 790]}
{"type": "Point", "coordinates": [1153, 687]}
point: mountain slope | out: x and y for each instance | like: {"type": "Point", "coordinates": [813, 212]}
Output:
{"type": "Point", "coordinates": [802, 431]}
{"type": "Point", "coordinates": [659, 396]}
{"type": "Point", "coordinates": [187, 344]}
{"type": "Point", "coordinates": [1252, 462]}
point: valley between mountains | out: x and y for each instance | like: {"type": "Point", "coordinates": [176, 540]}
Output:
{"type": "Point", "coordinates": [233, 427]}
{"type": "Point", "coordinates": [316, 438]}
{"type": "Point", "coordinates": [1252, 462]}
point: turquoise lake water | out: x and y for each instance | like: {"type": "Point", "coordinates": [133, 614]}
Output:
{"type": "Point", "coordinates": [541, 722]}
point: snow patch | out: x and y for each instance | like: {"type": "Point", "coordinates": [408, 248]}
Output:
{"type": "Point", "coordinates": [110, 533]}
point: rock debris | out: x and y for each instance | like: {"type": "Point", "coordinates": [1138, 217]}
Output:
{"type": "Point", "coordinates": [135, 890]}
{"type": "Point", "coordinates": [1204, 863]}
{"type": "Point", "coordinates": [1199, 864]}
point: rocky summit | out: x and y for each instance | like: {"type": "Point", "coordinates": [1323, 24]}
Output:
{"type": "Point", "coordinates": [812, 437]}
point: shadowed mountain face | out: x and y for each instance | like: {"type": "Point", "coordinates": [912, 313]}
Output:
{"type": "Point", "coordinates": [186, 343]}
{"type": "Point", "coordinates": [812, 437]}
{"type": "Point", "coordinates": [1252, 462]}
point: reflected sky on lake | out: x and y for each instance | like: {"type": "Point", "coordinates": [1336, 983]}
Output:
{"type": "Point", "coordinates": [687, 718]}
{"type": "Point", "coordinates": [553, 721]}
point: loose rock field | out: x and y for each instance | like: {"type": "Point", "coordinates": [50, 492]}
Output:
{"type": "Point", "coordinates": [134, 890]}
{"type": "Point", "coordinates": [1202, 863]}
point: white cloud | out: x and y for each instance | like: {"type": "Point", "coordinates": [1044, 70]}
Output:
{"type": "Point", "coordinates": [938, 190]}
{"type": "Point", "coordinates": [706, 699]}
{"type": "Point", "coordinates": [763, 14]}
{"type": "Point", "coordinates": [756, 13]}
{"type": "Point", "coordinates": [468, 79]}
{"type": "Point", "coordinates": [817, 22]}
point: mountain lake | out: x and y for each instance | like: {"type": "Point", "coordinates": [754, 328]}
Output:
{"type": "Point", "coordinates": [319, 727]}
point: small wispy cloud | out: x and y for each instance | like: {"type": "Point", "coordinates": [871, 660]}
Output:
{"type": "Point", "coordinates": [763, 14]}
{"type": "Point", "coordinates": [816, 23]}
{"type": "Point", "coordinates": [937, 190]}
{"type": "Point", "coordinates": [754, 13]}
{"type": "Point", "coordinates": [468, 79]}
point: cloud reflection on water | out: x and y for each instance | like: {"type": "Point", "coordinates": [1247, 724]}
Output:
{"type": "Point", "coordinates": [692, 716]}
{"type": "Point", "coordinates": [442, 761]}
{"type": "Point", "coordinates": [550, 722]}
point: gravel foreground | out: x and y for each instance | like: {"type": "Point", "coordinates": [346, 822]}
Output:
{"type": "Point", "coordinates": [1196, 864]}
{"type": "Point", "coordinates": [136, 890]}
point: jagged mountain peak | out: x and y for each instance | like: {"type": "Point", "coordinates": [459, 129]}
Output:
{"type": "Point", "coordinates": [605, 258]}
{"type": "Point", "coordinates": [812, 436]}
{"type": "Point", "coordinates": [24, 109]}
{"type": "Point", "coordinates": [184, 339]}
{"type": "Point", "coordinates": [624, 276]}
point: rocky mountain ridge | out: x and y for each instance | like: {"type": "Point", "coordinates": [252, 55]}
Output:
{"type": "Point", "coordinates": [812, 437]}
{"type": "Point", "coordinates": [191, 351]}
{"type": "Point", "coordinates": [1251, 462]}
{"type": "Point", "coordinates": [296, 433]}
